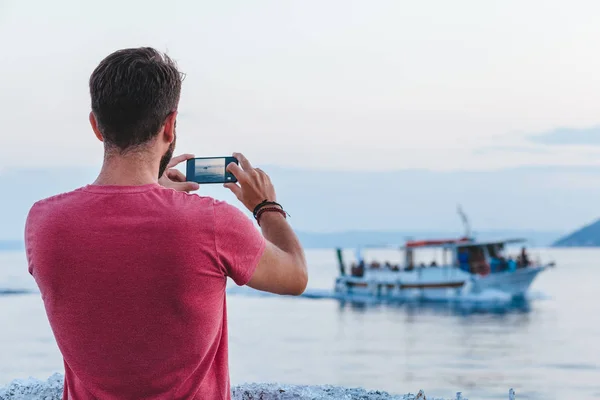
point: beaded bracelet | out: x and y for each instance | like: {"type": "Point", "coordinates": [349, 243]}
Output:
{"type": "Point", "coordinates": [265, 203]}
{"type": "Point", "coordinates": [269, 209]}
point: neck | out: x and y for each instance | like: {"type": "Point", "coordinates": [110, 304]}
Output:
{"type": "Point", "coordinates": [131, 169]}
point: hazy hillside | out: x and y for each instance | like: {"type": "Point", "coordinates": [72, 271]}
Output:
{"type": "Point", "coordinates": [354, 239]}
{"type": "Point", "coordinates": [588, 236]}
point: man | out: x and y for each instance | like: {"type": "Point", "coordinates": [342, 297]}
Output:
{"type": "Point", "coordinates": [524, 258]}
{"type": "Point", "coordinates": [463, 260]}
{"type": "Point", "coordinates": [132, 269]}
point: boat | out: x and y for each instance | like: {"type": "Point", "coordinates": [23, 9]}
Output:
{"type": "Point", "coordinates": [468, 267]}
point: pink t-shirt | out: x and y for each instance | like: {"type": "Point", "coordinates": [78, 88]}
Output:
{"type": "Point", "coordinates": [133, 280]}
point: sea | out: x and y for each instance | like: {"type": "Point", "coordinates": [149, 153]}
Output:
{"type": "Point", "coordinates": [545, 347]}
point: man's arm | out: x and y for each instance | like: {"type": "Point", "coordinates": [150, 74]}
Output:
{"type": "Point", "coordinates": [282, 267]}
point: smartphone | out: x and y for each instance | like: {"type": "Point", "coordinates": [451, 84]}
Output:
{"type": "Point", "coordinates": [210, 170]}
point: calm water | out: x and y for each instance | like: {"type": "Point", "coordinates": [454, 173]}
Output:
{"type": "Point", "coordinates": [210, 170]}
{"type": "Point", "coordinates": [546, 350]}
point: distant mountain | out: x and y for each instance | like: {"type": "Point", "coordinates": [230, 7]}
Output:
{"type": "Point", "coordinates": [354, 239]}
{"type": "Point", "coordinates": [588, 236]}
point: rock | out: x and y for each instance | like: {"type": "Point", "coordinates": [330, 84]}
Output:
{"type": "Point", "coordinates": [52, 389]}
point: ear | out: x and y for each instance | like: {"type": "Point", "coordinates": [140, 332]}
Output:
{"type": "Point", "coordinates": [94, 124]}
{"type": "Point", "coordinates": [169, 130]}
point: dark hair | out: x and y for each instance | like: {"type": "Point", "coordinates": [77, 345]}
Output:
{"type": "Point", "coordinates": [132, 92]}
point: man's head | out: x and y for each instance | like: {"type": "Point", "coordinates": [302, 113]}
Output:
{"type": "Point", "coordinates": [135, 94]}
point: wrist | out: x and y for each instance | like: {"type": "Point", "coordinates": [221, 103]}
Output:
{"type": "Point", "coordinates": [264, 204]}
{"type": "Point", "coordinates": [267, 217]}
{"type": "Point", "coordinates": [269, 210]}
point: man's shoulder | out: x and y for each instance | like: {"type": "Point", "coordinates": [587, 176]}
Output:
{"type": "Point", "coordinates": [225, 210]}
{"type": "Point", "coordinates": [50, 209]}
{"type": "Point", "coordinates": [191, 199]}
{"type": "Point", "coordinates": [56, 200]}
{"type": "Point", "coordinates": [220, 206]}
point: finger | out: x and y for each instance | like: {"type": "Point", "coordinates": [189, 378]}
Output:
{"type": "Point", "coordinates": [264, 176]}
{"type": "Point", "coordinates": [176, 175]}
{"type": "Point", "coordinates": [237, 191]}
{"type": "Point", "coordinates": [235, 169]}
{"type": "Point", "coordinates": [186, 186]}
{"type": "Point", "coordinates": [179, 159]}
{"type": "Point", "coordinates": [261, 174]}
{"type": "Point", "coordinates": [243, 161]}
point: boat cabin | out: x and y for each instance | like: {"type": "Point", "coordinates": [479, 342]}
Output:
{"type": "Point", "coordinates": [470, 255]}
{"type": "Point", "coordinates": [465, 253]}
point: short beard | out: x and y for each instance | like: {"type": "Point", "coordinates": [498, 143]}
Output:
{"type": "Point", "coordinates": [166, 158]}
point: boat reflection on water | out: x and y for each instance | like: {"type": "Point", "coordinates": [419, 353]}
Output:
{"type": "Point", "coordinates": [519, 305]}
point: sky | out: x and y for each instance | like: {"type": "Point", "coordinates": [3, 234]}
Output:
{"type": "Point", "coordinates": [384, 86]}
{"type": "Point", "coordinates": [337, 84]}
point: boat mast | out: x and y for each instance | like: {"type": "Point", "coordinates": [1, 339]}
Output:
{"type": "Point", "coordinates": [341, 264]}
{"type": "Point", "coordinates": [465, 221]}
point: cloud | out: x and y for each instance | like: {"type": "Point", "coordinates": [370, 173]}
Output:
{"type": "Point", "coordinates": [569, 136]}
{"type": "Point", "coordinates": [510, 149]}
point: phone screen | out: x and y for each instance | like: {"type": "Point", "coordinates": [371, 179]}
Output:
{"type": "Point", "coordinates": [210, 170]}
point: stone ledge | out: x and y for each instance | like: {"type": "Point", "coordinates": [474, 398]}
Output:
{"type": "Point", "coordinates": [51, 389]}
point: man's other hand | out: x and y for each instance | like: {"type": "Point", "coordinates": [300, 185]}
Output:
{"type": "Point", "coordinates": [174, 179]}
{"type": "Point", "coordinates": [282, 267]}
{"type": "Point", "coordinates": [254, 184]}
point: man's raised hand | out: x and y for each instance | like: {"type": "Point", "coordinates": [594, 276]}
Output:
{"type": "Point", "coordinates": [174, 179]}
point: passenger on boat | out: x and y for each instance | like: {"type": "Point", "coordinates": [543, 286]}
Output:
{"type": "Point", "coordinates": [358, 270]}
{"type": "Point", "coordinates": [463, 260]}
{"type": "Point", "coordinates": [484, 268]}
{"type": "Point", "coordinates": [494, 264]}
{"type": "Point", "coordinates": [512, 264]}
{"type": "Point", "coordinates": [480, 265]}
{"type": "Point", "coordinates": [498, 264]}
{"type": "Point", "coordinates": [523, 258]}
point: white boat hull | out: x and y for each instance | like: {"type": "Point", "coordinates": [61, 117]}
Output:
{"type": "Point", "coordinates": [434, 284]}
{"type": "Point", "coordinates": [514, 283]}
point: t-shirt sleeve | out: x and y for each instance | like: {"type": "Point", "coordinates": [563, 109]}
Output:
{"type": "Point", "coordinates": [28, 241]}
{"type": "Point", "coordinates": [31, 229]}
{"type": "Point", "coordinates": [239, 244]}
